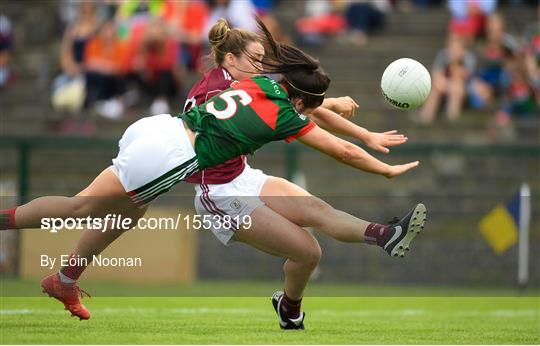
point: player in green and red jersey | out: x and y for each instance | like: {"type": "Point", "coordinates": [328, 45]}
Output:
{"type": "Point", "coordinates": [225, 134]}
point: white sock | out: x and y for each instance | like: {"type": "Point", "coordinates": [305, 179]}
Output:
{"type": "Point", "coordinates": [66, 279]}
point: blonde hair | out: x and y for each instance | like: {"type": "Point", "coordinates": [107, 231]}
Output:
{"type": "Point", "coordinates": [225, 40]}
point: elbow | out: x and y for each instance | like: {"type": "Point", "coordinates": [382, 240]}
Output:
{"type": "Point", "coordinates": [347, 153]}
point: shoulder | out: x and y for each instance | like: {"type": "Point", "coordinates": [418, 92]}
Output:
{"type": "Point", "coordinates": [269, 86]}
{"type": "Point", "coordinates": [218, 79]}
{"type": "Point", "coordinates": [213, 82]}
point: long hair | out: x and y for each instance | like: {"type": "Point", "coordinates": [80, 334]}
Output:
{"type": "Point", "coordinates": [224, 39]}
{"type": "Point", "coordinates": [301, 73]}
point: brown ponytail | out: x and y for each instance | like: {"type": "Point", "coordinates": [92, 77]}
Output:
{"type": "Point", "coordinates": [225, 40]}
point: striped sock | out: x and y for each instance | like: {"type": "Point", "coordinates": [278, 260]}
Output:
{"type": "Point", "coordinates": [377, 234]}
{"type": "Point", "coordinates": [290, 308]}
{"type": "Point", "coordinates": [7, 219]}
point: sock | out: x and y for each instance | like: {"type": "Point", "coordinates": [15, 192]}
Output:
{"type": "Point", "coordinates": [66, 279]}
{"type": "Point", "coordinates": [7, 219]}
{"type": "Point", "coordinates": [72, 272]}
{"type": "Point", "coordinates": [377, 234]}
{"type": "Point", "coordinates": [290, 308]}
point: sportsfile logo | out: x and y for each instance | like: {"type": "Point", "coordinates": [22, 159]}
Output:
{"type": "Point", "coordinates": [119, 222]}
{"type": "Point", "coordinates": [394, 102]}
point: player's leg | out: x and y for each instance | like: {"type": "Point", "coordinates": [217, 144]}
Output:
{"type": "Point", "coordinates": [251, 222]}
{"type": "Point", "coordinates": [299, 206]}
{"type": "Point", "coordinates": [304, 209]}
{"type": "Point", "coordinates": [93, 242]}
{"type": "Point", "coordinates": [62, 285]}
{"type": "Point", "coordinates": [155, 153]}
{"type": "Point", "coordinates": [273, 234]}
{"type": "Point", "coordinates": [105, 195]}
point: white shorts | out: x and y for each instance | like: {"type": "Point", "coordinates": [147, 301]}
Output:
{"type": "Point", "coordinates": [155, 153]}
{"type": "Point", "coordinates": [233, 201]}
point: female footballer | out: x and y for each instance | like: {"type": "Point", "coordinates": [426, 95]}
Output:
{"type": "Point", "coordinates": [157, 152]}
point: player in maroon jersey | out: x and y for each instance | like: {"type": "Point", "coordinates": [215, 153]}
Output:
{"type": "Point", "coordinates": [276, 207]}
{"type": "Point", "coordinates": [297, 264]}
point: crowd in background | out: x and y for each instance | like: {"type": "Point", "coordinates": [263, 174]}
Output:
{"type": "Point", "coordinates": [481, 67]}
{"type": "Point", "coordinates": [485, 67]}
{"type": "Point", "coordinates": [350, 21]}
{"type": "Point", "coordinates": [6, 46]}
{"type": "Point", "coordinates": [118, 54]}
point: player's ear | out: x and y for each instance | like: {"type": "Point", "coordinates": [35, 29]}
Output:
{"type": "Point", "coordinates": [229, 58]}
{"type": "Point", "coordinates": [298, 104]}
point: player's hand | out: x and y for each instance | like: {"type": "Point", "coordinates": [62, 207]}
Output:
{"type": "Point", "coordinates": [344, 106]}
{"type": "Point", "coordinates": [380, 141]}
{"type": "Point", "coordinates": [396, 170]}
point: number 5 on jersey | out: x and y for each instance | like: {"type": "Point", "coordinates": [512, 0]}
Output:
{"type": "Point", "coordinates": [231, 106]}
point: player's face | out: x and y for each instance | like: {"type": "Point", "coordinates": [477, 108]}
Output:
{"type": "Point", "coordinates": [243, 66]}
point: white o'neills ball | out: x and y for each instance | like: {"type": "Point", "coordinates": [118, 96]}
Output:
{"type": "Point", "coordinates": [405, 83]}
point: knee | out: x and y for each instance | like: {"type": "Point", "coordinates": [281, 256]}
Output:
{"type": "Point", "coordinates": [312, 254]}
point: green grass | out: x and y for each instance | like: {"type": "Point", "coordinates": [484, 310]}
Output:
{"type": "Point", "coordinates": [235, 288]}
{"type": "Point", "coordinates": [251, 320]}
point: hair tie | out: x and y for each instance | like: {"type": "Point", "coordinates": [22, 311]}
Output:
{"type": "Point", "coordinates": [305, 92]}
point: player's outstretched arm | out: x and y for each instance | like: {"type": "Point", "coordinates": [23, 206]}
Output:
{"type": "Point", "coordinates": [334, 123]}
{"type": "Point", "coordinates": [351, 154]}
{"type": "Point", "coordinates": [345, 106]}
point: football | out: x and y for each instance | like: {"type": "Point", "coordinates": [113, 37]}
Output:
{"type": "Point", "coordinates": [405, 83]}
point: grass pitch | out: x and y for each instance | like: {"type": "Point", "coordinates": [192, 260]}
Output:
{"type": "Point", "coordinates": [251, 320]}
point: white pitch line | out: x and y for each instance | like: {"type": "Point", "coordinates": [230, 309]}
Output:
{"type": "Point", "coordinates": [500, 313]}
{"type": "Point", "coordinates": [185, 311]}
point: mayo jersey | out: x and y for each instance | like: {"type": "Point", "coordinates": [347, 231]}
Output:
{"type": "Point", "coordinates": [242, 119]}
{"type": "Point", "coordinates": [212, 83]}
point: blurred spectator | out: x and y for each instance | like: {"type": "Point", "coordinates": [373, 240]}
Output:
{"type": "Point", "coordinates": [6, 46]}
{"type": "Point", "coordinates": [519, 97]}
{"type": "Point", "coordinates": [323, 18]}
{"type": "Point", "coordinates": [451, 70]}
{"type": "Point", "coordinates": [154, 65]}
{"type": "Point", "coordinates": [69, 87]}
{"type": "Point", "coordinates": [364, 17]}
{"type": "Point", "coordinates": [110, 8]}
{"type": "Point", "coordinates": [133, 15]}
{"type": "Point", "coordinates": [104, 63]}
{"type": "Point", "coordinates": [68, 10]}
{"type": "Point", "coordinates": [468, 17]}
{"type": "Point", "coordinates": [531, 40]}
{"type": "Point", "coordinates": [499, 48]}
{"type": "Point", "coordinates": [75, 38]}
{"type": "Point", "coordinates": [239, 14]}
{"type": "Point", "coordinates": [425, 3]}
{"type": "Point", "coordinates": [264, 11]}
{"type": "Point", "coordinates": [132, 9]}
{"type": "Point", "coordinates": [187, 21]}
